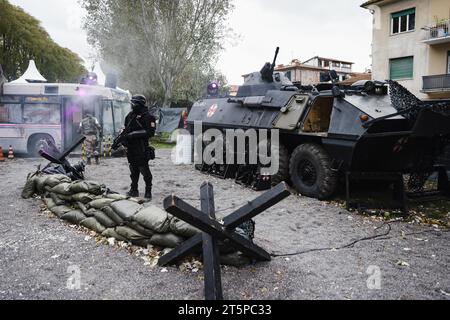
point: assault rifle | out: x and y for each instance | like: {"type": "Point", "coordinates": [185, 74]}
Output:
{"type": "Point", "coordinates": [121, 137]}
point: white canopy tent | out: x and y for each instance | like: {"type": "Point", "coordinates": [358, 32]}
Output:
{"type": "Point", "coordinates": [31, 75]}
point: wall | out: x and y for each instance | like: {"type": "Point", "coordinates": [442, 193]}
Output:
{"type": "Point", "coordinates": [387, 46]}
{"type": "Point", "coordinates": [437, 63]}
{"type": "Point", "coordinates": [309, 77]}
{"type": "Point", "coordinates": [440, 9]}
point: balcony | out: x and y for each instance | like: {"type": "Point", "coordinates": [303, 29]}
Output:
{"type": "Point", "coordinates": [436, 84]}
{"type": "Point", "coordinates": [439, 33]}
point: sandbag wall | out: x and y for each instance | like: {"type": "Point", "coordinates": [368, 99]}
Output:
{"type": "Point", "coordinates": [89, 204]}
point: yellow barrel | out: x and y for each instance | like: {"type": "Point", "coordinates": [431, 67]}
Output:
{"type": "Point", "coordinates": [109, 146]}
{"type": "Point", "coordinates": [104, 146]}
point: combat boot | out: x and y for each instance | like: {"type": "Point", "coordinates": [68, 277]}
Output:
{"type": "Point", "coordinates": [97, 161]}
{"type": "Point", "coordinates": [148, 194]}
{"type": "Point", "coordinates": [133, 193]}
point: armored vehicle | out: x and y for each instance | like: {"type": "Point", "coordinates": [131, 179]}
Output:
{"type": "Point", "coordinates": [327, 133]}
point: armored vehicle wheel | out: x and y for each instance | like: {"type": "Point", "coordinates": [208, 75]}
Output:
{"type": "Point", "coordinates": [283, 172]}
{"type": "Point", "coordinates": [311, 173]}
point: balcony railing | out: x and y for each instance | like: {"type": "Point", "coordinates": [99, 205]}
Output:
{"type": "Point", "coordinates": [436, 83]}
{"type": "Point", "coordinates": [438, 33]}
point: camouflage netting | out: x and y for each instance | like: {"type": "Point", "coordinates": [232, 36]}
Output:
{"type": "Point", "coordinates": [94, 206]}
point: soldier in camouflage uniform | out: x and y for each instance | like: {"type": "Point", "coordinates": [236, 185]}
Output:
{"type": "Point", "coordinates": [90, 128]}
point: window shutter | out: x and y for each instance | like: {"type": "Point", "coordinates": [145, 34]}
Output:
{"type": "Point", "coordinates": [402, 68]}
{"type": "Point", "coordinates": [403, 13]}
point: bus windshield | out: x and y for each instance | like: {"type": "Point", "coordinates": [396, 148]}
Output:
{"type": "Point", "coordinates": [108, 123]}
{"type": "Point", "coordinates": [121, 110]}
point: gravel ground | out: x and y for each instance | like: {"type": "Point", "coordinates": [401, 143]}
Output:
{"type": "Point", "coordinates": [37, 252]}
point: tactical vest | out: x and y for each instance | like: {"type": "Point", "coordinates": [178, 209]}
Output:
{"type": "Point", "coordinates": [88, 126]}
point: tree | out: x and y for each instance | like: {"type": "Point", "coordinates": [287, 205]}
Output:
{"type": "Point", "coordinates": [22, 38]}
{"type": "Point", "coordinates": [194, 80]}
{"type": "Point", "coordinates": [151, 43]}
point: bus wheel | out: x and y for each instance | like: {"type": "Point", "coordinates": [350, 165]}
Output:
{"type": "Point", "coordinates": [38, 142]}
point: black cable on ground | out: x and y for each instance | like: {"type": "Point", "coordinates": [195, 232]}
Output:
{"type": "Point", "coordinates": [352, 244]}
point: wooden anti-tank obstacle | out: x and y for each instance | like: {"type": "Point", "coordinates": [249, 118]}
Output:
{"type": "Point", "coordinates": [213, 231]}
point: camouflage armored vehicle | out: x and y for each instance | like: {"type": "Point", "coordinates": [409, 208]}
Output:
{"type": "Point", "coordinates": [328, 132]}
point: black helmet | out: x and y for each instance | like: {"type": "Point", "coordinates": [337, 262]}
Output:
{"type": "Point", "coordinates": [138, 101]}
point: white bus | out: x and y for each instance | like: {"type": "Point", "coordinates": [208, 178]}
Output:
{"type": "Point", "coordinates": [33, 114]}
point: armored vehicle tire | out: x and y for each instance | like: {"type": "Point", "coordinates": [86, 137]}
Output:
{"type": "Point", "coordinates": [37, 142]}
{"type": "Point", "coordinates": [311, 173]}
{"type": "Point", "coordinates": [283, 172]}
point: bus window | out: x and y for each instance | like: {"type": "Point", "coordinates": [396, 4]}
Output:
{"type": "Point", "coordinates": [108, 125]}
{"type": "Point", "coordinates": [42, 114]}
{"type": "Point", "coordinates": [12, 99]}
{"type": "Point", "coordinates": [10, 113]}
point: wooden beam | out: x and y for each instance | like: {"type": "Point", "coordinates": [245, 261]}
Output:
{"type": "Point", "coordinates": [196, 218]}
{"type": "Point", "coordinates": [211, 254]}
{"type": "Point", "coordinates": [191, 246]}
{"type": "Point", "coordinates": [257, 206]}
{"type": "Point", "coordinates": [247, 212]}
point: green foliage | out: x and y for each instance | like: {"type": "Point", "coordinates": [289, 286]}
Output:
{"type": "Point", "coordinates": [164, 49]}
{"type": "Point", "coordinates": [22, 38]}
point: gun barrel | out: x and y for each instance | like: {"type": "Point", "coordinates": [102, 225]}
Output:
{"type": "Point", "coordinates": [275, 58]}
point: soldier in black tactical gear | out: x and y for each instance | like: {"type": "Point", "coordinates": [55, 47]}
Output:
{"type": "Point", "coordinates": [142, 126]}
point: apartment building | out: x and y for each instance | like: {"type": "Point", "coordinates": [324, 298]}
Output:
{"type": "Point", "coordinates": [411, 44]}
{"type": "Point", "coordinates": [308, 72]}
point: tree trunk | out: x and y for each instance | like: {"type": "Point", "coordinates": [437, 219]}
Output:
{"type": "Point", "coordinates": [168, 95]}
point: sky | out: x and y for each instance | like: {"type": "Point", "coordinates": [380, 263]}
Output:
{"type": "Point", "coordinates": [301, 28]}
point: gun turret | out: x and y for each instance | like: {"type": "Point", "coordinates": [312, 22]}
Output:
{"type": "Point", "coordinates": [267, 70]}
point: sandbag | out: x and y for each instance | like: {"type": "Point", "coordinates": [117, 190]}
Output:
{"type": "Point", "coordinates": [112, 215]}
{"type": "Point", "coordinates": [81, 206]}
{"type": "Point", "coordinates": [111, 233]}
{"type": "Point", "coordinates": [74, 216]}
{"type": "Point", "coordinates": [57, 200]}
{"type": "Point", "coordinates": [104, 219]}
{"type": "Point", "coordinates": [87, 186]}
{"type": "Point", "coordinates": [116, 196]}
{"type": "Point", "coordinates": [181, 228]}
{"type": "Point", "coordinates": [59, 211]}
{"type": "Point", "coordinates": [143, 243]}
{"type": "Point", "coordinates": [168, 240]}
{"type": "Point", "coordinates": [153, 218]}
{"type": "Point", "coordinates": [93, 224]}
{"type": "Point", "coordinates": [40, 183]}
{"type": "Point", "coordinates": [130, 234]}
{"type": "Point", "coordinates": [100, 203]}
{"type": "Point", "coordinates": [83, 197]}
{"type": "Point", "coordinates": [126, 209]}
{"type": "Point", "coordinates": [62, 189]}
{"type": "Point", "coordinates": [136, 226]}
{"type": "Point", "coordinates": [225, 247]}
{"type": "Point", "coordinates": [30, 187]}
{"type": "Point", "coordinates": [235, 259]}
{"type": "Point", "coordinates": [90, 213]}
{"type": "Point", "coordinates": [56, 179]}
{"type": "Point", "coordinates": [65, 198]}
{"type": "Point", "coordinates": [49, 203]}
